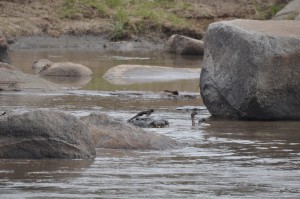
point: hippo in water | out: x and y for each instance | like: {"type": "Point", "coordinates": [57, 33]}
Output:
{"type": "Point", "coordinates": [143, 120]}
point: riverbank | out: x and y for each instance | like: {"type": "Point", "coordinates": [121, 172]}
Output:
{"type": "Point", "coordinates": [125, 20]}
{"type": "Point", "coordinates": [86, 41]}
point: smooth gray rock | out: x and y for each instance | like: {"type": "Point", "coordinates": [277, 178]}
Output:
{"type": "Point", "coordinates": [43, 134]}
{"type": "Point", "coordinates": [12, 78]}
{"type": "Point", "coordinates": [289, 12]}
{"type": "Point", "coordinates": [45, 67]}
{"type": "Point", "coordinates": [3, 49]}
{"type": "Point", "coordinates": [252, 70]}
{"type": "Point", "coordinates": [132, 74]}
{"type": "Point", "coordinates": [178, 44]}
{"type": "Point", "coordinates": [112, 134]}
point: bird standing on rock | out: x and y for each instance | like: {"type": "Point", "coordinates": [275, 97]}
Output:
{"type": "Point", "coordinates": [172, 92]}
{"type": "Point", "coordinates": [147, 113]}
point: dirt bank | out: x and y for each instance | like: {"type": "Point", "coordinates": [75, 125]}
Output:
{"type": "Point", "coordinates": [70, 17]}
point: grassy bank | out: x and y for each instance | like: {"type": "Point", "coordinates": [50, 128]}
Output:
{"type": "Point", "coordinates": [130, 17]}
{"type": "Point", "coordinates": [144, 17]}
{"type": "Point", "coordinates": [126, 19]}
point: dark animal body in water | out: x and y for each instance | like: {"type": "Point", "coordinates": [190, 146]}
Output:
{"type": "Point", "coordinates": [175, 94]}
{"type": "Point", "coordinates": [3, 113]}
{"type": "Point", "coordinates": [146, 122]}
{"type": "Point", "coordinates": [143, 120]}
{"type": "Point", "coordinates": [172, 92]}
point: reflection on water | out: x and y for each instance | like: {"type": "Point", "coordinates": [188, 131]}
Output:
{"type": "Point", "coordinates": [29, 169]}
{"type": "Point", "coordinates": [100, 61]}
{"type": "Point", "coordinates": [69, 81]}
{"type": "Point", "coordinates": [220, 159]}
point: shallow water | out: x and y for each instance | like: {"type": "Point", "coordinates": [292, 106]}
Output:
{"type": "Point", "coordinates": [220, 159]}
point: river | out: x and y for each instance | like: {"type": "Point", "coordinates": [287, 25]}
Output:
{"type": "Point", "coordinates": [220, 159]}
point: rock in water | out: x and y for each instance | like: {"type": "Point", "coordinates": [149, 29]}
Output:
{"type": "Point", "coordinates": [108, 133]}
{"type": "Point", "coordinates": [12, 78]}
{"type": "Point", "coordinates": [45, 134]}
{"type": "Point", "coordinates": [252, 70]}
{"type": "Point", "coordinates": [182, 45]}
{"type": "Point", "coordinates": [45, 67]}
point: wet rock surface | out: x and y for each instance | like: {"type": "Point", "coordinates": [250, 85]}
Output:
{"type": "Point", "coordinates": [251, 70]}
{"type": "Point", "coordinates": [112, 134]}
{"type": "Point", "coordinates": [12, 79]}
{"type": "Point", "coordinates": [66, 69]}
{"type": "Point", "coordinates": [43, 134]}
{"type": "Point", "coordinates": [129, 74]}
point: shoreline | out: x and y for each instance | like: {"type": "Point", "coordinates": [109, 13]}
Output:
{"type": "Point", "coordinates": [86, 42]}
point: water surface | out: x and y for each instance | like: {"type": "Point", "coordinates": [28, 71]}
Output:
{"type": "Point", "coordinates": [221, 159]}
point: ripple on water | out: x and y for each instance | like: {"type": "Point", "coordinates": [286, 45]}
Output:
{"type": "Point", "coordinates": [225, 159]}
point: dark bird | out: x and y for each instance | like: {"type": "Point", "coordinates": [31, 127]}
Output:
{"type": "Point", "coordinates": [45, 67]}
{"type": "Point", "coordinates": [147, 113]}
{"type": "Point", "coordinates": [3, 113]}
{"type": "Point", "coordinates": [201, 120]}
{"type": "Point", "coordinates": [193, 116]}
{"type": "Point", "coordinates": [172, 92]}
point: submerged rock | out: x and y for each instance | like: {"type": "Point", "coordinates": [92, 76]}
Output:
{"type": "Point", "coordinates": [108, 133]}
{"type": "Point", "coordinates": [130, 74]}
{"type": "Point", "coordinates": [182, 45]}
{"type": "Point", "coordinates": [3, 49]}
{"type": "Point", "coordinates": [252, 70]}
{"type": "Point", "coordinates": [45, 134]}
{"type": "Point", "coordinates": [68, 69]}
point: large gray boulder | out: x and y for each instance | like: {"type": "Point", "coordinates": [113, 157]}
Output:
{"type": "Point", "coordinates": [3, 49]}
{"type": "Point", "coordinates": [112, 134]}
{"type": "Point", "coordinates": [289, 12]}
{"type": "Point", "coordinates": [252, 70]}
{"type": "Point", "coordinates": [178, 44]}
{"type": "Point", "coordinates": [44, 134]}
{"type": "Point", "coordinates": [68, 69]}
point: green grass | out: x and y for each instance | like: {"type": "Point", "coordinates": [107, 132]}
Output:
{"type": "Point", "coordinates": [266, 13]}
{"type": "Point", "coordinates": [114, 3]}
{"type": "Point", "coordinates": [127, 16]}
{"type": "Point", "coordinates": [276, 8]}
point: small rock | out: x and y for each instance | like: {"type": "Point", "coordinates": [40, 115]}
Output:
{"type": "Point", "coordinates": [182, 45]}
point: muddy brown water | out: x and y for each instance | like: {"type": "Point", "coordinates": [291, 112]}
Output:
{"type": "Point", "coordinates": [221, 159]}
